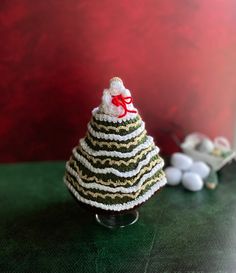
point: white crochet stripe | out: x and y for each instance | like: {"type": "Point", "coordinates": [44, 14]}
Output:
{"type": "Point", "coordinates": [117, 189]}
{"type": "Point", "coordinates": [118, 207]}
{"type": "Point", "coordinates": [115, 136]}
{"type": "Point", "coordinates": [141, 147]}
{"type": "Point", "coordinates": [88, 165]}
{"type": "Point", "coordinates": [104, 117]}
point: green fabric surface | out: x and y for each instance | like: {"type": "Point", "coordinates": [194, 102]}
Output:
{"type": "Point", "coordinates": [42, 229]}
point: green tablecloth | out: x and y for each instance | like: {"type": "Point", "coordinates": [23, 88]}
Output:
{"type": "Point", "coordinates": [42, 229]}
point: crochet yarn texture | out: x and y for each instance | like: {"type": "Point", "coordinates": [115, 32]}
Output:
{"type": "Point", "coordinates": [116, 166]}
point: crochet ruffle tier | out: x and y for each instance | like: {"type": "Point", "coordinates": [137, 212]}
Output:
{"type": "Point", "coordinates": [116, 166]}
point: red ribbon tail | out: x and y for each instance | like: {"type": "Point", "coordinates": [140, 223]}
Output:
{"type": "Point", "coordinates": [132, 111]}
{"type": "Point", "coordinates": [121, 116]}
{"type": "Point", "coordinates": [121, 101]}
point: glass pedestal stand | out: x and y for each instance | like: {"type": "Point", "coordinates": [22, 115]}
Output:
{"type": "Point", "coordinates": [118, 220]}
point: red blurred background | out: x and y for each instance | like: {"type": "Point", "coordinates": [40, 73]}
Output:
{"type": "Point", "coordinates": [178, 57]}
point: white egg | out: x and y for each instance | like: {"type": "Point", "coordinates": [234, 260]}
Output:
{"type": "Point", "coordinates": [173, 176]}
{"type": "Point", "coordinates": [206, 146]}
{"type": "Point", "coordinates": [200, 168]}
{"type": "Point", "coordinates": [192, 181]}
{"type": "Point", "coordinates": [181, 161]}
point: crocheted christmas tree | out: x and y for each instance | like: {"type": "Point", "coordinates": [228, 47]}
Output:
{"type": "Point", "coordinates": [116, 166]}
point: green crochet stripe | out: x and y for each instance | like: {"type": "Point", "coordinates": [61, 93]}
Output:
{"type": "Point", "coordinates": [122, 167]}
{"type": "Point", "coordinates": [109, 177]}
{"type": "Point", "coordinates": [113, 177]}
{"type": "Point", "coordinates": [113, 147]}
{"type": "Point", "coordinates": [115, 158]}
{"type": "Point", "coordinates": [123, 123]}
{"type": "Point", "coordinates": [122, 132]}
{"type": "Point", "coordinates": [116, 200]}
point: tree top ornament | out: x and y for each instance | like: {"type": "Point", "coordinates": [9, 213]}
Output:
{"type": "Point", "coordinates": [117, 100]}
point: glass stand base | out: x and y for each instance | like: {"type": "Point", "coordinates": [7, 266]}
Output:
{"type": "Point", "coordinates": [118, 220]}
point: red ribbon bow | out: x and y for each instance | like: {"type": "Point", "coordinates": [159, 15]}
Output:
{"type": "Point", "coordinates": [119, 100]}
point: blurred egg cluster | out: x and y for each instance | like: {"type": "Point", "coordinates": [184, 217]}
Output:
{"type": "Point", "coordinates": [193, 175]}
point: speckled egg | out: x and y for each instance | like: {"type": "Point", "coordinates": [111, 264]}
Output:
{"type": "Point", "coordinates": [206, 146]}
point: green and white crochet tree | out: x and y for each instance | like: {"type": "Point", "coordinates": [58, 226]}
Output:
{"type": "Point", "coordinates": [116, 166]}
